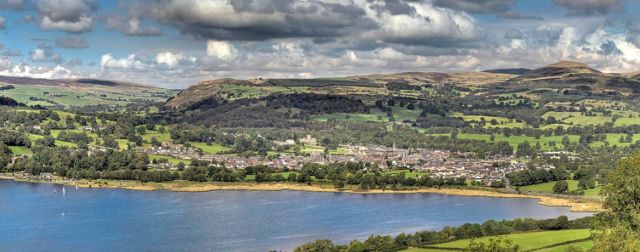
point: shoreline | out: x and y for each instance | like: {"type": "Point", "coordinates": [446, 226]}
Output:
{"type": "Point", "coordinates": [575, 205]}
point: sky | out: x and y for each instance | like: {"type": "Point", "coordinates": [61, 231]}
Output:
{"type": "Point", "coordinates": [176, 43]}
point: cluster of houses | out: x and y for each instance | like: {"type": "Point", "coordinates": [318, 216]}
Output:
{"type": "Point", "coordinates": [439, 163]}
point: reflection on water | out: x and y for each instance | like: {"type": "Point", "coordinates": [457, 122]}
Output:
{"type": "Point", "coordinates": [116, 220]}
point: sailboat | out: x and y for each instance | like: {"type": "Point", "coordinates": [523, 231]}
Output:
{"type": "Point", "coordinates": [64, 193]}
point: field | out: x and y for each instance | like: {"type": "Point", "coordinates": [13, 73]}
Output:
{"type": "Point", "coordinates": [614, 139]}
{"type": "Point", "coordinates": [211, 149]}
{"type": "Point", "coordinates": [548, 188]}
{"type": "Point", "coordinates": [171, 159]}
{"type": "Point", "coordinates": [375, 115]}
{"type": "Point", "coordinates": [89, 95]}
{"type": "Point", "coordinates": [546, 142]}
{"type": "Point", "coordinates": [164, 138]}
{"type": "Point", "coordinates": [34, 137]}
{"type": "Point", "coordinates": [526, 241]}
{"type": "Point", "coordinates": [19, 150]}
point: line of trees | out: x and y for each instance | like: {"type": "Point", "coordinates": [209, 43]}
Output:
{"type": "Point", "coordinates": [447, 234]}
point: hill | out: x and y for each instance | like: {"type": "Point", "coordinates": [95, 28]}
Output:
{"type": "Point", "coordinates": [516, 71]}
{"type": "Point", "coordinates": [558, 70]}
{"type": "Point", "coordinates": [408, 84]}
{"type": "Point", "coordinates": [79, 92]}
{"type": "Point", "coordinates": [460, 78]}
{"type": "Point", "coordinates": [577, 77]}
{"type": "Point", "coordinates": [200, 92]}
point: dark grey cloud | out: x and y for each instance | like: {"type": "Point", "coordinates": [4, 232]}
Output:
{"type": "Point", "coordinates": [394, 7]}
{"type": "Point", "coordinates": [513, 34]}
{"type": "Point", "coordinates": [632, 31]}
{"type": "Point", "coordinates": [260, 19]}
{"type": "Point", "coordinates": [75, 42]}
{"type": "Point", "coordinates": [500, 8]}
{"type": "Point", "coordinates": [546, 35]}
{"type": "Point", "coordinates": [66, 15]}
{"type": "Point", "coordinates": [2, 23]}
{"type": "Point", "coordinates": [591, 7]}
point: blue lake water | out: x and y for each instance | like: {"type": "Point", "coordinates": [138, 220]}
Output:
{"type": "Point", "coordinates": [31, 217]}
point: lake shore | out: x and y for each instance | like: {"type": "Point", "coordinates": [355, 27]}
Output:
{"type": "Point", "coordinates": [575, 205]}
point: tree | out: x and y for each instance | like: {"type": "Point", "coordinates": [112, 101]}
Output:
{"type": "Point", "coordinates": [561, 187]}
{"type": "Point", "coordinates": [493, 245]}
{"type": "Point", "coordinates": [524, 149]}
{"type": "Point", "coordinates": [109, 142]}
{"type": "Point", "coordinates": [586, 183]}
{"type": "Point", "coordinates": [155, 142]}
{"type": "Point", "coordinates": [619, 227]}
{"type": "Point", "coordinates": [317, 246]}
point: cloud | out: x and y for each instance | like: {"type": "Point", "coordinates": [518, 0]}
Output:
{"type": "Point", "coordinates": [66, 15]}
{"type": "Point", "coordinates": [260, 20]}
{"type": "Point", "coordinates": [500, 8]}
{"type": "Point", "coordinates": [131, 62]}
{"type": "Point", "coordinates": [591, 7]}
{"type": "Point", "coordinates": [2, 23]}
{"type": "Point", "coordinates": [12, 4]}
{"type": "Point", "coordinates": [44, 53]}
{"type": "Point", "coordinates": [74, 62]}
{"type": "Point", "coordinates": [132, 27]}
{"type": "Point", "coordinates": [513, 34]}
{"type": "Point", "coordinates": [5, 63]}
{"type": "Point", "coordinates": [12, 53]}
{"type": "Point", "coordinates": [75, 42]}
{"type": "Point", "coordinates": [38, 55]}
{"type": "Point", "coordinates": [221, 49]}
{"type": "Point", "coordinates": [394, 7]}
{"type": "Point", "coordinates": [26, 70]}
{"type": "Point", "coordinates": [430, 26]}
{"type": "Point", "coordinates": [168, 58]}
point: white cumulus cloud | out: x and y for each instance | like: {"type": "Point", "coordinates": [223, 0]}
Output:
{"type": "Point", "coordinates": [130, 62]}
{"type": "Point", "coordinates": [168, 58]}
{"type": "Point", "coordinates": [221, 49]}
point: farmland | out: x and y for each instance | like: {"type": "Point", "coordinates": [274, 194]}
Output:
{"type": "Point", "coordinates": [547, 240]}
{"type": "Point", "coordinates": [548, 188]}
{"type": "Point", "coordinates": [82, 96]}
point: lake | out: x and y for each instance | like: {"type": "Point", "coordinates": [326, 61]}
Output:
{"type": "Point", "coordinates": [38, 217]}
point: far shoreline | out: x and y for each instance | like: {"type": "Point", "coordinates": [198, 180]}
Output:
{"type": "Point", "coordinates": [575, 205]}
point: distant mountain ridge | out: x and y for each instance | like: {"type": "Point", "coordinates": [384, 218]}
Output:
{"type": "Point", "coordinates": [558, 70]}
{"type": "Point", "coordinates": [516, 71]}
{"type": "Point", "coordinates": [14, 80]}
{"type": "Point", "coordinates": [569, 74]}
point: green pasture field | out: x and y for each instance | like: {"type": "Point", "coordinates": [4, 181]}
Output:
{"type": "Point", "coordinates": [614, 139]}
{"type": "Point", "coordinates": [20, 150]}
{"type": "Point", "coordinates": [171, 159]}
{"type": "Point", "coordinates": [515, 140]}
{"type": "Point", "coordinates": [548, 188]}
{"type": "Point", "coordinates": [211, 149]}
{"type": "Point", "coordinates": [34, 137]}
{"type": "Point", "coordinates": [67, 96]}
{"type": "Point", "coordinates": [526, 241]}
